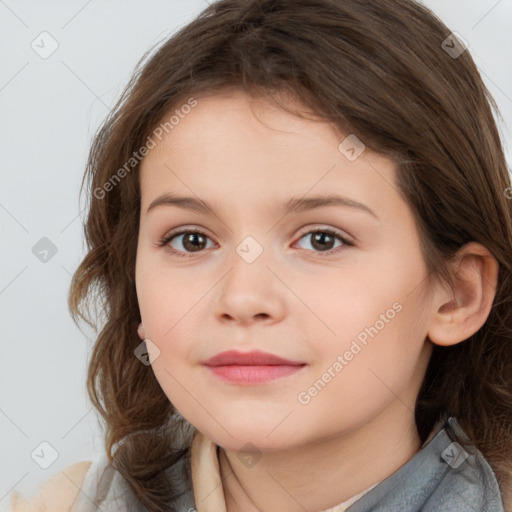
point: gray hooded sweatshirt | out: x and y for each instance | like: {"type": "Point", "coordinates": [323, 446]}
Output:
{"type": "Point", "coordinates": [441, 477]}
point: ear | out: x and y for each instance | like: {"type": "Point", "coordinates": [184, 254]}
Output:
{"type": "Point", "coordinates": [463, 311]}
{"type": "Point", "coordinates": [141, 332]}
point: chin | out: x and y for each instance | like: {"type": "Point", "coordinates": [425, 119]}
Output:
{"type": "Point", "coordinates": [245, 438]}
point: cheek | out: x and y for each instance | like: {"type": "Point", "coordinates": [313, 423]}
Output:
{"type": "Point", "coordinates": [377, 332]}
{"type": "Point", "coordinates": [172, 307]}
{"type": "Point", "coordinates": [355, 307]}
{"type": "Point", "coordinates": [357, 380]}
{"type": "Point", "coordinates": [167, 298]}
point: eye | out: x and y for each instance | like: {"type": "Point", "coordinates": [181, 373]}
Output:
{"type": "Point", "coordinates": [323, 240]}
{"type": "Point", "coordinates": [193, 241]}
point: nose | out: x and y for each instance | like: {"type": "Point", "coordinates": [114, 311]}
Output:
{"type": "Point", "coordinates": [249, 293]}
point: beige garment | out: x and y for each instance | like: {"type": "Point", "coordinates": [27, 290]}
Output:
{"type": "Point", "coordinates": [57, 494]}
{"type": "Point", "coordinates": [206, 481]}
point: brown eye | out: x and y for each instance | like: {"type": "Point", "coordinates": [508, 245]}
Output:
{"type": "Point", "coordinates": [193, 242]}
{"type": "Point", "coordinates": [185, 242]}
{"type": "Point", "coordinates": [324, 240]}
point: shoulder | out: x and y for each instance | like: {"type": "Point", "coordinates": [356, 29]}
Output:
{"type": "Point", "coordinates": [442, 475]}
{"type": "Point", "coordinates": [57, 494]}
{"type": "Point", "coordinates": [469, 483]}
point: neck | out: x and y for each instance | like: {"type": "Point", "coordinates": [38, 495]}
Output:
{"type": "Point", "coordinates": [321, 474]}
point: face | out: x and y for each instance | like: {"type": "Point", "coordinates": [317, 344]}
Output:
{"type": "Point", "coordinates": [335, 287]}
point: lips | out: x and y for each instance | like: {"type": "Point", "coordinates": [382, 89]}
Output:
{"type": "Point", "coordinates": [251, 368]}
{"type": "Point", "coordinates": [254, 358]}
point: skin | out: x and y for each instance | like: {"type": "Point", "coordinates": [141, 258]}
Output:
{"type": "Point", "coordinates": [247, 157]}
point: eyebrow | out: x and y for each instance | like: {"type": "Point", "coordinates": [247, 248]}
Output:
{"type": "Point", "coordinates": [292, 205]}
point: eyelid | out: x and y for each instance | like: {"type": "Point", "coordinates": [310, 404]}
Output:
{"type": "Point", "coordinates": [186, 229]}
{"type": "Point", "coordinates": [304, 231]}
{"type": "Point", "coordinates": [348, 239]}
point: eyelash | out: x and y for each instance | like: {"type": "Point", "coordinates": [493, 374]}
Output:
{"type": "Point", "coordinates": [181, 254]}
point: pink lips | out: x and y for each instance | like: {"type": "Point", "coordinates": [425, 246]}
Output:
{"type": "Point", "coordinates": [251, 367]}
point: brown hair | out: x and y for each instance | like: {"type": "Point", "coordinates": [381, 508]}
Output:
{"type": "Point", "coordinates": [378, 70]}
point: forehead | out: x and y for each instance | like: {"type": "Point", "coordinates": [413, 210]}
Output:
{"type": "Point", "coordinates": [231, 113]}
{"type": "Point", "coordinates": [240, 148]}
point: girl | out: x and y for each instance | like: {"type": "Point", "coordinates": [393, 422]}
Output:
{"type": "Point", "coordinates": [300, 238]}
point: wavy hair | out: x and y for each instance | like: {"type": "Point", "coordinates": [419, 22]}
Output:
{"type": "Point", "coordinates": [379, 69]}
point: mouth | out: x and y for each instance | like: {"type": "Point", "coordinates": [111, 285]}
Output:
{"type": "Point", "coordinates": [251, 367]}
{"type": "Point", "coordinates": [253, 374]}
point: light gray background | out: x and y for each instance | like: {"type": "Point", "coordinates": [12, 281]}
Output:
{"type": "Point", "coordinates": [50, 108]}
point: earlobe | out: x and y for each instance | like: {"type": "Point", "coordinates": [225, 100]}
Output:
{"type": "Point", "coordinates": [141, 332]}
{"type": "Point", "coordinates": [463, 311]}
